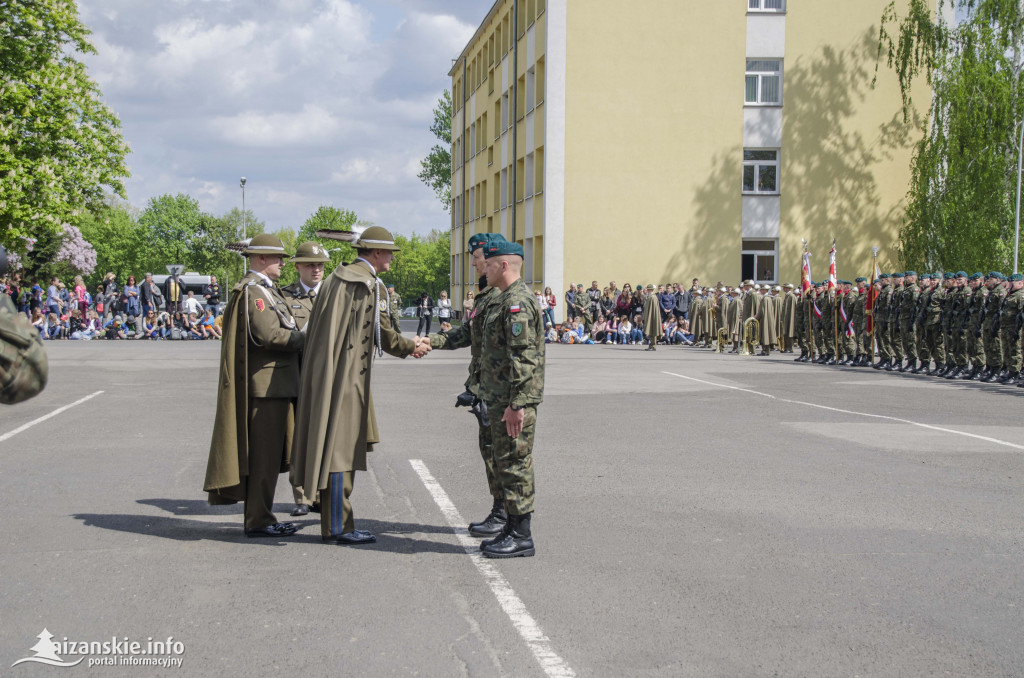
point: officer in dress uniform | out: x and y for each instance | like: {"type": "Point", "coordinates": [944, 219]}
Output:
{"type": "Point", "coordinates": [310, 259]}
{"type": "Point", "coordinates": [258, 385]}
{"type": "Point", "coordinates": [512, 385]}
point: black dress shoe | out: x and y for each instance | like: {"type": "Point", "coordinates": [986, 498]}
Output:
{"type": "Point", "coordinates": [493, 524]}
{"type": "Point", "coordinates": [517, 541]}
{"type": "Point", "coordinates": [276, 530]}
{"type": "Point", "coordinates": [353, 538]}
{"type": "Point", "coordinates": [300, 510]}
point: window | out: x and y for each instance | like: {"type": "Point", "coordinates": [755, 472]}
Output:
{"type": "Point", "coordinates": [763, 82]}
{"type": "Point", "coordinates": [760, 171]}
{"type": "Point", "coordinates": [538, 184]}
{"type": "Point", "coordinates": [766, 5]}
{"type": "Point", "coordinates": [530, 89]}
{"type": "Point", "coordinates": [759, 257]}
{"type": "Point", "coordinates": [528, 176]}
{"type": "Point", "coordinates": [504, 111]}
{"type": "Point", "coordinates": [472, 140]}
{"type": "Point", "coordinates": [504, 187]}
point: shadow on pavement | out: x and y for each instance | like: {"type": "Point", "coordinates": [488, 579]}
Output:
{"type": "Point", "coordinates": [392, 537]}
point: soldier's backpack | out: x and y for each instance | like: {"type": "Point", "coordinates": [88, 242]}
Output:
{"type": "Point", "coordinates": [23, 364]}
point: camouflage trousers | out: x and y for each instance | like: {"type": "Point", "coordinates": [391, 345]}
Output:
{"type": "Point", "coordinates": [993, 348]}
{"type": "Point", "coordinates": [512, 459]}
{"type": "Point", "coordinates": [896, 341]}
{"type": "Point", "coordinates": [864, 346]}
{"type": "Point", "coordinates": [1010, 341]}
{"type": "Point", "coordinates": [975, 350]}
{"type": "Point", "coordinates": [884, 345]}
{"type": "Point", "coordinates": [908, 335]}
{"type": "Point", "coordinates": [936, 343]}
{"type": "Point", "coordinates": [847, 344]}
{"type": "Point", "coordinates": [956, 347]}
{"type": "Point", "coordinates": [485, 453]}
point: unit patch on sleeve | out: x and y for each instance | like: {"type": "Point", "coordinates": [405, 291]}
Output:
{"type": "Point", "coordinates": [260, 305]}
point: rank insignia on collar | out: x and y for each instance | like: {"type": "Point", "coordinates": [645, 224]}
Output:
{"type": "Point", "coordinates": [260, 305]}
{"type": "Point", "coordinates": [514, 308]}
{"type": "Point", "coordinates": [517, 329]}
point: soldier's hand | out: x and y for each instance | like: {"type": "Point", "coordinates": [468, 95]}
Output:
{"type": "Point", "coordinates": [513, 421]}
{"type": "Point", "coordinates": [422, 347]}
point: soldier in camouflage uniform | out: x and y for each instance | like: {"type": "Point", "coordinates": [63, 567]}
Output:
{"type": "Point", "coordinates": [1009, 333]}
{"type": "Point", "coordinates": [847, 341]}
{"type": "Point", "coordinates": [924, 353]}
{"type": "Point", "coordinates": [895, 332]}
{"type": "Point", "coordinates": [956, 338]}
{"type": "Point", "coordinates": [908, 317]}
{"type": "Point", "coordinates": [931, 302]}
{"type": "Point", "coordinates": [880, 320]}
{"type": "Point", "coordinates": [860, 324]}
{"type": "Point", "coordinates": [975, 323]}
{"type": "Point", "coordinates": [827, 304]}
{"type": "Point", "coordinates": [394, 308]}
{"type": "Point", "coordinates": [990, 328]}
{"type": "Point", "coordinates": [470, 334]}
{"type": "Point", "coordinates": [512, 383]}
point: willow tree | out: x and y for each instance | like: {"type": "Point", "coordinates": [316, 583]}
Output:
{"type": "Point", "coordinates": [960, 206]}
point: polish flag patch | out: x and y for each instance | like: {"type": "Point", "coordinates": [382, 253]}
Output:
{"type": "Point", "coordinates": [514, 309]}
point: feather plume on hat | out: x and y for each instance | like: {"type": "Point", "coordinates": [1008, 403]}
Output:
{"type": "Point", "coordinates": [338, 234]}
{"type": "Point", "coordinates": [239, 247]}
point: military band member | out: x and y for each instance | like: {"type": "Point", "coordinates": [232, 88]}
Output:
{"type": "Point", "coordinates": [310, 259]}
{"type": "Point", "coordinates": [258, 384]}
{"type": "Point", "coordinates": [767, 321]}
{"type": "Point", "coordinates": [470, 333]}
{"type": "Point", "coordinates": [732, 319]}
{"type": "Point", "coordinates": [788, 319]}
{"type": "Point", "coordinates": [512, 385]}
{"type": "Point", "coordinates": [335, 424]}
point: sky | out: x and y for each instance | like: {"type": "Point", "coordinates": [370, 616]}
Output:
{"type": "Point", "coordinates": [315, 102]}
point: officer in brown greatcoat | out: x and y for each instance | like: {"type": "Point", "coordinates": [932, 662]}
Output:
{"type": "Point", "coordinates": [257, 387]}
{"type": "Point", "coordinates": [310, 259]}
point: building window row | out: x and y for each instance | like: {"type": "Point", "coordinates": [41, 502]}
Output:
{"type": "Point", "coordinates": [766, 5]}
{"type": "Point", "coordinates": [763, 82]}
{"type": "Point", "coordinates": [760, 171]}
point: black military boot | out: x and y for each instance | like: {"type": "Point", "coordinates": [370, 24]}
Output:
{"type": "Point", "coordinates": [493, 524]}
{"type": "Point", "coordinates": [923, 367]}
{"type": "Point", "coordinates": [800, 358]}
{"type": "Point", "coordinates": [517, 541]}
{"type": "Point", "coordinates": [1008, 377]}
{"type": "Point", "coordinates": [909, 365]}
{"type": "Point", "coordinates": [969, 374]}
{"type": "Point", "coordinates": [993, 375]}
{"type": "Point", "coordinates": [983, 373]}
{"type": "Point", "coordinates": [831, 360]}
{"type": "Point", "coordinates": [891, 366]}
{"type": "Point", "coordinates": [880, 364]}
{"type": "Point", "coordinates": [955, 374]}
{"type": "Point", "coordinates": [1020, 382]}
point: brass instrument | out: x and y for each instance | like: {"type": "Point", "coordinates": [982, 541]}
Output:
{"type": "Point", "coordinates": [723, 339]}
{"type": "Point", "coordinates": [751, 334]}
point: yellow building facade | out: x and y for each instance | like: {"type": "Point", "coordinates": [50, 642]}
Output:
{"type": "Point", "coordinates": [659, 141]}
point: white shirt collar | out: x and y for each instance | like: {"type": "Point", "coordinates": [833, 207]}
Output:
{"type": "Point", "coordinates": [372, 269]}
{"type": "Point", "coordinates": [315, 288]}
{"type": "Point", "coordinates": [265, 278]}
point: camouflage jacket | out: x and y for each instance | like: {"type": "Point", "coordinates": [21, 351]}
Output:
{"type": "Point", "coordinates": [993, 304]}
{"type": "Point", "coordinates": [976, 307]}
{"type": "Point", "coordinates": [512, 349]}
{"type": "Point", "coordinates": [956, 305]}
{"type": "Point", "coordinates": [908, 305]}
{"type": "Point", "coordinates": [881, 310]}
{"type": "Point", "coordinates": [860, 310]}
{"type": "Point", "coordinates": [1013, 304]}
{"type": "Point", "coordinates": [933, 305]}
{"type": "Point", "coordinates": [468, 334]}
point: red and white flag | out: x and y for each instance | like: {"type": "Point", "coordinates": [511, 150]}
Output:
{"type": "Point", "coordinates": [832, 267]}
{"type": "Point", "coordinates": [805, 273]}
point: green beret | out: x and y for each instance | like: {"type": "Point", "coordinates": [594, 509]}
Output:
{"type": "Point", "coordinates": [961, 274]}
{"type": "Point", "coordinates": [1016, 276]}
{"type": "Point", "coordinates": [976, 276]}
{"type": "Point", "coordinates": [884, 276]}
{"type": "Point", "coordinates": [478, 240]}
{"type": "Point", "coordinates": [948, 276]}
{"type": "Point", "coordinates": [923, 276]}
{"type": "Point", "coordinates": [909, 273]}
{"type": "Point", "coordinates": [897, 275]}
{"type": "Point", "coordinates": [861, 279]}
{"type": "Point", "coordinates": [995, 274]}
{"type": "Point", "coordinates": [499, 248]}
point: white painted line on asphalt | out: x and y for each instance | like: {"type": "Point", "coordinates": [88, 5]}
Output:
{"type": "Point", "coordinates": [527, 627]}
{"type": "Point", "coordinates": [11, 434]}
{"type": "Point", "coordinates": [860, 414]}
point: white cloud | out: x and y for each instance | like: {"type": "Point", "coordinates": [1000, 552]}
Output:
{"type": "Point", "coordinates": [311, 125]}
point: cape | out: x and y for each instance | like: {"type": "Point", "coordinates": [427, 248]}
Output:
{"type": "Point", "coordinates": [652, 318]}
{"type": "Point", "coordinates": [229, 446]}
{"type": "Point", "coordinates": [790, 307]}
{"type": "Point", "coordinates": [766, 317]}
{"type": "Point", "coordinates": [335, 424]}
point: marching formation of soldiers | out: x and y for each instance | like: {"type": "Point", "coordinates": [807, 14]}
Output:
{"type": "Point", "coordinates": [953, 325]}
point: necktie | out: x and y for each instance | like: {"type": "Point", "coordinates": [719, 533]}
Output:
{"type": "Point", "coordinates": [312, 294]}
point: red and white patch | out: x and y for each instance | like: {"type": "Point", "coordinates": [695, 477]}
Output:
{"type": "Point", "coordinates": [513, 309]}
{"type": "Point", "coordinates": [260, 305]}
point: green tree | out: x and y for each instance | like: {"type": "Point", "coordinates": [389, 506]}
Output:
{"type": "Point", "coordinates": [332, 218]}
{"type": "Point", "coordinates": [60, 147]}
{"type": "Point", "coordinates": [423, 265]}
{"type": "Point", "coordinates": [960, 204]}
{"type": "Point", "coordinates": [436, 168]}
{"type": "Point", "coordinates": [122, 244]}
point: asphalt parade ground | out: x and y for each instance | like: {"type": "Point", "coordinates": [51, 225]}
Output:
{"type": "Point", "coordinates": [697, 515]}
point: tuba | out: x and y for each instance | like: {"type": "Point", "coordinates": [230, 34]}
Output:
{"type": "Point", "coordinates": [723, 339]}
{"type": "Point", "coordinates": [751, 331]}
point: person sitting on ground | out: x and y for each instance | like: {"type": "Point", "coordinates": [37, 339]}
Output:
{"type": "Point", "coordinates": [600, 329]}
{"type": "Point", "coordinates": [163, 325]}
{"type": "Point", "coordinates": [675, 334]}
{"type": "Point", "coordinates": [637, 335]}
{"type": "Point", "coordinates": [566, 335]}
{"type": "Point", "coordinates": [194, 330]}
{"type": "Point", "coordinates": [131, 327]}
{"type": "Point", "coordinates": [147, 327]}
{"type": "Point", "coordinates": [611, 334]}
{"type": "Point", "coordinates": [38, 320]}
{"type": "Point", "coordinates": [580, 330]}
{"type": "Point", "coordinates": [115, 328]}
{"type": "Point", "coordinates": [93, 327]}
{"type": "Point", "coordinates": [210, 329]}
{"type": "Point", "coordinates": [625, 330]}
{"type": "Point", "coordinates": [551, 335]}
